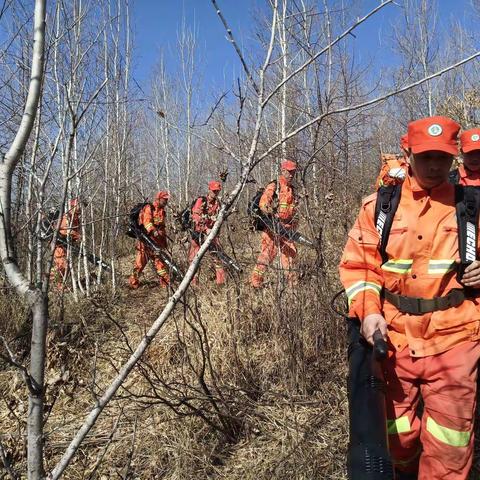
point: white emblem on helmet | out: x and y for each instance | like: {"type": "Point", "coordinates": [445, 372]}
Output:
{"type": "Point", "coordinates": [475, 137]}
{"type": "Point", "coordinates": [435, 130]}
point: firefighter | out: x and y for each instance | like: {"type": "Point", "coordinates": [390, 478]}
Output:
{"type": "Point", "coordinates": [204, 214]}
{"type": "Point", "coordinates": [153, 219]}
{"type": "Point", "coordinates": [429, 314]}
{"type": "Point", "coordinates": [468, 173]}
{"type": "Point", "coordinates": [69, 228]}
{"type": "Point", "coordinates": [278, 199]}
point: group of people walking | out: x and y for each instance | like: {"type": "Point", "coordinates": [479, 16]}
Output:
{"type": "Point", "coordinates": [278, 199]}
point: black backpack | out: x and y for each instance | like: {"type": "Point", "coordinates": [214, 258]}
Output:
{"type": "Point", "coordinates": [133, 224]}
{"type": "Point", "coordinates": [467, 205]}
{"type": "Point", "coordinates": [185, 217]}
{"type": "Point", "coordinates": [253, 209]}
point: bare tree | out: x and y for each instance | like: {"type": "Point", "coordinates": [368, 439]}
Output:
{"type": "Point", "coordinates": [36, 298]}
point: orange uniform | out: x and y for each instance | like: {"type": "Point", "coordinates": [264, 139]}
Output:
{"type": "Point", "coordinates": [153, 219]}
{"type": "Point", "coordinates": [467, 178]}
{"type": "Point", "coordinates": [469, 141]}
{"type": "Point", "coordinates": [434, 354]}
{"type": "Point", "coordinates": [286, 213]}
{"type": "Point", "coordinates": [204, 214]}
{"type": "Point", "coordinates": [69, 227]}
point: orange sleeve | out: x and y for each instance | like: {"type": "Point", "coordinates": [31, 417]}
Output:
{"type": "Point", "coordinates": [360, 266]}
{"type": "Point", "coordinates": [267, 197]}
{"type": "Point", "coordinates": [147, 219]}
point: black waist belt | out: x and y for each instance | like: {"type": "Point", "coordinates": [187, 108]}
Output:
{"type": "Point", "coordinates": [419, 306]}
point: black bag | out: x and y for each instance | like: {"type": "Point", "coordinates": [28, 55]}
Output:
{"type": "Point", "coordinates": [185, 217]}
{"type": "Point", "coordinates": [133, 224]}
{"type": "Point", "coordinates": [257, 222]}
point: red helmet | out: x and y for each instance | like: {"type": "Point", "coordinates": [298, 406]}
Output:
{"type": "Point", "coordinates": [214, 186]}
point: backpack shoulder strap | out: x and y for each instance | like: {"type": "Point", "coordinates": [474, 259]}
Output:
{"type": "Point", "coordinates": [454, 176]}
{"type": "Point", "coordinates": [388, 199]}
{"type": "Point", "coordinates": [467, 206]}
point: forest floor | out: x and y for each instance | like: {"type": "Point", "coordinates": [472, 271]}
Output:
{"type": "Point", "coordinates": [239, 383]}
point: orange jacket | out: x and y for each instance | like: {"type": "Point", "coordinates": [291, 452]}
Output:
{"type": "Point", "coordinates": [422, 250]}
{"type": "Point", "coordinates": [153, 218]}
{"type": "Point", "coordinates": [70, 225]}
{"type": "Point", "coordinates": [467, 177]}
{"type": "Point", "coordinates": [287, 205]}
{"type": "Point", "coordinates": [393, 170]}
{"type": "Point", "coordinates": [204, 213]}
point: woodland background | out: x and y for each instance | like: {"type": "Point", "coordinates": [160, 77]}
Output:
{"type": "Point", "coordinates": [238, 384]}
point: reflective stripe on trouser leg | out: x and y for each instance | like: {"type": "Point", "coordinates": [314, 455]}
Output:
{"type": "Point", "coordinates": [449, 395]}
{"type": "Point", "coordinates": [449, 436]}
{"type": "Point", "coordinates": [398, 425]}
{"type": "Point", "coordinates": [401, 400]}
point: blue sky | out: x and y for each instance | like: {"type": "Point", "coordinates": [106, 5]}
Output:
{"type": "Point", "coordinates": [156, 23]}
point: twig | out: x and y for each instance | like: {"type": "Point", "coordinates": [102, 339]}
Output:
{"type": "Point", "coordinates": [12, 360]}
{"type": "Point", "coordinates": [351, 108]}
{"type": "Point", "coordinates": [105, 448]}
{"type": "Point", "coordinates": [326, 49]}
{"type": "Point", "coordinates": [232, 40]}
{"type": "Point", "coordinates": [6, 463]}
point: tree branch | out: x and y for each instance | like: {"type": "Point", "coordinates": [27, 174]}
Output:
{"type": "Point", "coordinates": [235, 45]}
{"type": "Point", "coordinates": [351, 108]}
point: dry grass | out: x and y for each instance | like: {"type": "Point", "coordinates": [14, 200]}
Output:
{"type": "Point", "coordinates": [238, 385]}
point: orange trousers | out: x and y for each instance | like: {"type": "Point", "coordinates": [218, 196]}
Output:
{"type": "Point", "coordinates": [271, 244]}
{"type": "Point", "coordinates": [439, 445]}
{"type": "Point", "coordinates": [219, 270]}
{"type": "Point", "coordinates": [142, 257]}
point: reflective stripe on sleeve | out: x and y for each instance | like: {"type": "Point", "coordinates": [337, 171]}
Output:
{"type": "Point", "coordinates": [360, 287]}
{"type": "Point", "coordinates": [402, 266]}
{"type": "Point", "coordinates": [399, 425]}
{"type": "Point", "coordinates": [449, 436]}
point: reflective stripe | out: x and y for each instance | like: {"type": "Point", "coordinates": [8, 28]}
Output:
{"type": "Point", "coordinates": [161, 272]}
{"type": "Point", "coordinates": [454, 438]}
{"type": "Point", "coordinates": [149, 225]}
{"type": "Point", "coordinates": [402, 266]}
{"type": "Point", "coordinates": [360, 287]}
{"type": "Point", "coordinates": [441, 266]}
{"type": "Point", "coordinates": [399, 425]}
{"type": "Point", "coordinates": [258, 271]}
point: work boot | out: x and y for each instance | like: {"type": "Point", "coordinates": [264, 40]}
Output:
{"type": "Point", "coordinates": [256, 280]}
{"type": "Point", "coordinates": [133, 282]}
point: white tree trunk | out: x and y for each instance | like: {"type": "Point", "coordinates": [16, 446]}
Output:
{"type": "Point", "coordinates": [37, 300]}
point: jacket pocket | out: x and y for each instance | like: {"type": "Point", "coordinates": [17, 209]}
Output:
{"type": "Point", "coordinates": [364, 237]}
